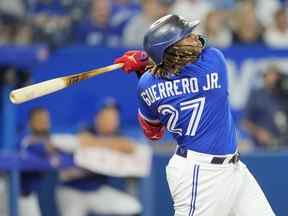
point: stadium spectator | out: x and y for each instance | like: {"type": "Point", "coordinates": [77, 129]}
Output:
{"type": "Point", "coordinates": [37, 143]}
{"type": "Point", "coordinates": [50, 7]}
{"type": "Point", "coordinates": [265, 10]}
{"type": "Point", "coordinates": [266, 112]}
{"type": "Point", "coordinates": [193, 9]}
{"type": "Point", "coordinates": [14, 8]}
{"type": "Point", "coordinates": [83, 192]}
{"type": "Point", "coordinates": [277, 35]}
{"type": "Point", "coordinates": [138, 25]}
{"type": "Point", "coordinates": [130, 4]}
{"type": "Point", "coordinates": [77, 9]}
{"type": "Point", "coordinates": [223, 4]}
{"type": "Point", "coordinates": [246, 28]}
{"type": "Point", "coordinates": [24, 35]}
{"type": "Point", "coordinates": [104, 25]}
{"type": "Point", "coordinates": [5, 32]}
{"type": "Point", "coordinates": [14, 29]}
{"type": "Point", "coordinates": [216, 29]}
{"type": "Point", "coordinates": [122, 2]}
{"type": "Point", "coordinates": [51, 23]}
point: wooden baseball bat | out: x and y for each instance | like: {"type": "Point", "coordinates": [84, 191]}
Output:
{"type": "Point", "coordinates": [47, 87]}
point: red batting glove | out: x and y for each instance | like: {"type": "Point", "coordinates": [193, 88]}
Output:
{"type": "Point", "coordinates": [151, 131]}
{"type": "Point", "coordinates": [134, 60]}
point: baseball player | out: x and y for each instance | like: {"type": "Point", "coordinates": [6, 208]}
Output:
{"type": "Point", "coordinates": [184, 90]}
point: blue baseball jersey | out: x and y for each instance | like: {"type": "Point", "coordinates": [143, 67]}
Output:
{"type": "Point", "coordinates": [193, 105]}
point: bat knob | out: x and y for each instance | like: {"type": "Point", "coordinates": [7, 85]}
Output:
{"type": "Point", "coordinates": [12, 98]}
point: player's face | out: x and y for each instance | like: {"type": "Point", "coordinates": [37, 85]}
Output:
{"type": "Point", "coordinates": [271, 78]}
{"type": "Point", "coordinates": [107, 121]}
{"type": "Point", "coordinates": [40, 122]}
{"type": "Point", "coordinates": [100, 11]}
{"type": "Point", "coordinates": [191, 40]}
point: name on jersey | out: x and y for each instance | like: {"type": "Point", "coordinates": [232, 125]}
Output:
{"type": "Point", "coordinates": [179, 87]}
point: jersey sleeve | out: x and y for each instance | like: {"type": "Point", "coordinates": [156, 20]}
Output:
{"type": "Point", "coordinates": [215, 56]}
{"type": "Point", "coordinates": [144, 110]}
{"type": "Point", "coordinates": [216, 62]}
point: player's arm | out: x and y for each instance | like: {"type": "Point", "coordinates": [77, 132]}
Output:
{"type": "Point", "coordinates": [152, 130]}
{"type": "Point", "coordinates": [120, 144]}
{"type": "Point", "coordinates": [134, 61]}
{"type": "Point", "coordinates": [148, 118]}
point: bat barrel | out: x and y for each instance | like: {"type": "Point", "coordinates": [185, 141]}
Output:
{"type": "Point", "coordinates": [37, 90]}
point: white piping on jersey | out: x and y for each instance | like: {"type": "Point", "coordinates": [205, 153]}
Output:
{"type": "Point", "coordinates": [148, 119]}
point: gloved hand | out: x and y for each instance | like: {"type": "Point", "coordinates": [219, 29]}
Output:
{"type": "Point", "coordinates": [133, 60]}
{"type": "Point", "coordinates": [151, 131]}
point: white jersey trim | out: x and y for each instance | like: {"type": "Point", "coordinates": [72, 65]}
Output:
{"type": "Point", "coordinates": [148, 119]}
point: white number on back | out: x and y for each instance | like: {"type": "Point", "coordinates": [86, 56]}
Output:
{"type": "Point", "coordinates": [173, 119]}
{"type": "Point", "coordinates": [197, 107]}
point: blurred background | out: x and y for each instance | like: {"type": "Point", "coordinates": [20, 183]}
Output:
{"type": "Point", "coordinates": [43, 39]}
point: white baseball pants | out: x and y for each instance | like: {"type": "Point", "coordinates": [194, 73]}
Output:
{"type": "Point", "coordinates": [29, 206]}
{"type": "Point", "coordinates": [199, 188]}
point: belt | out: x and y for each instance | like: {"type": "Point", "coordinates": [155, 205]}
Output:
{"type": "Point", "coordinates": [214, 160]}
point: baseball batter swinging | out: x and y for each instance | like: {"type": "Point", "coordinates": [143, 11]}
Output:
{"type": "Point", "coordinates": [183, 88]}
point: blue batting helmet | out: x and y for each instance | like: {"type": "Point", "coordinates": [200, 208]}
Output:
{"type": "Point", "coordinates": [165, 32]}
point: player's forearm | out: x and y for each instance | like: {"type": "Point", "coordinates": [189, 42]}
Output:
{"type": "Point", "coordinates": [120, 144]}
{"type": "Point", "coordinates": [65, 142]}
{"type": "Point", "coordinates": [251, 127]}
{"type": "Point", "coordinates": [151, 131]}
{"type": "Point", "coordinates": [261, 134]}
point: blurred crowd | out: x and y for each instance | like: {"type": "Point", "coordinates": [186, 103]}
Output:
{"type": "Point", "coordinates": [265, 117]}
{"type": "Point", "coordinates": [117, 23]}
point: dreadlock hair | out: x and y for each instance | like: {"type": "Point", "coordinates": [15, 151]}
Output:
{"type": "Point", "coordinates": [174, 59]}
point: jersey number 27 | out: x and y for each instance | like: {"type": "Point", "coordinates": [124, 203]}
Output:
{"type": "Point", "coordinates": [195, 106]}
